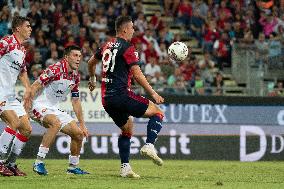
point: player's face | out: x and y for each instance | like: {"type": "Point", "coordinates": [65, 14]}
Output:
{"type": "Point", "coordinates": [129, 29]}
{"type": "Point", "coordinates": [74, 59]}
{"type": "Point", "coordinates": [25, 30]}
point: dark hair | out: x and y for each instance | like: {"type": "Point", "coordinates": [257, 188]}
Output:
{"type": "Point", "coordinates": [70, 48]}
{"type": "Point", "coordinates": [120, 21]}
{"type": "Point", "coordinates": [18, 21]}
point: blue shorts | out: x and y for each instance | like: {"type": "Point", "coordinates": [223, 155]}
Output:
{"type": "Point", "coordinates": [120, 107]}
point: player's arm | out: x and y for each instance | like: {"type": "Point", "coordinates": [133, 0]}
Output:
{"type": "Point", "coordinates": [23, 76]}
{"type": "Point", "coordinates": [141, 79]}
{"type": "Point", "coordinates": [132, 58]}
{"type": "Point", "coordinates": [46, 77]}
{"type": "Point", "coordinates": [92, 70]}
{"type": "Point", "coordinates": [77, 107]}
{"type": "Point", "coordinates": [35, 87]}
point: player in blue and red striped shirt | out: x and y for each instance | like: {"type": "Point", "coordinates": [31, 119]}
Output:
{"type": "Point", "coordinates": [120, 65]}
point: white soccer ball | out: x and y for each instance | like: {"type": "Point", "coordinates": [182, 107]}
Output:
{"type": "Point", "coordinates": [178, 51]}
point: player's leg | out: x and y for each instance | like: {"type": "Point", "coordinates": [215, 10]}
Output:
{"type": "Point", "coordinates": [11, 119]}
{"type": "Point", "coordinates": [53, 125]}
{"type": "Point", "coordinates": [22, 136]}
{"type": "Point", "coordinates": [139, 106]}
{"type": "Point", "coordinates": [124, 149]}
{"type": "Point", "coordinates": [77, 136]}
{"type": "Point", "coordinates": [125, 123]}
{"type": "Point", "coordinates": [154, 126]}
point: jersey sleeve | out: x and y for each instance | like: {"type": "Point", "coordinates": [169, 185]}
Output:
{"type": "Point", "coordinates": [98, 53]}
{"type": "Point", "coordinates": [131, 56]}
{"type": "Point", "coordinates": [75, 91]}
{"type": "Point", "coordinates": [48, 75]}
{"type": "Point", "coordinates": [3, 47]}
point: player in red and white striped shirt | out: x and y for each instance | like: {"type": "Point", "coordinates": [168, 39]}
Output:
{"type": "Point", "coordinates": [53, 85]}
{"type": "Point", "coordinates": [12, 67]}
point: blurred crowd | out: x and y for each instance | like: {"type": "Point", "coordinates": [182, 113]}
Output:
{"type": "Point", "coordinates": [215, 24]}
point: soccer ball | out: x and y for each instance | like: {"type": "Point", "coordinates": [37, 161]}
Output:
{"type": "Point", "coordinates": [178, 51]}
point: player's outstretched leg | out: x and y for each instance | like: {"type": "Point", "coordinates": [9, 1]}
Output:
{"type": "Point", "coordinates": [77, 136]}
{"type": "Point", "coordinates": [153, 128]}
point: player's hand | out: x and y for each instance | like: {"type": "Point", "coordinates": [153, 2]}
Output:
{"type": "Point", "coordinates": [85, 130]}
{"type": "Point", "coordinates": [158, 99]}
{"type": "Point", "coordinates": [92, 83]}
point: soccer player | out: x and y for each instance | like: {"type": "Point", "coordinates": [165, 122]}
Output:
{"type": "Point", "coordinates": [53, 85]}
{"type": "Point", "coordinates": [12, 66]}
{"type": "Point", "coordinates": [120, 64]}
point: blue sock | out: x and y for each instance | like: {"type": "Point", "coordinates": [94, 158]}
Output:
{"type": "Point", "coordinates": [124, 148]}
{"type": "Point", "coordinates": [153, 128]}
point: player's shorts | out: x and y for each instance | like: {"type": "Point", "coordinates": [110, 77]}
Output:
{"type": "Point", "coordinates": [12, 103]}
{"type": "Point", "coordinates": [39, 111]}
{"type": "Point", "coordinates": [120, 107]}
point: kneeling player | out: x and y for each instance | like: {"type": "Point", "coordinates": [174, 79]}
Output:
{"type": "Point", "coordinates": [53, 85]}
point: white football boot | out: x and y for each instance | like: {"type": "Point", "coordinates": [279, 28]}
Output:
{"type": "Point", "coordinates": [148, 150]}
{"type": "Point", "coordinates": [126, 171]}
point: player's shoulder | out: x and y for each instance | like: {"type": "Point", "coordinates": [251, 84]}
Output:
{"type": "Point", "coordinates": [8, 39]}
{"type": "Point", "coordinates": [124, 44]}
{"type": "Point", "coordinates": [54, 68]}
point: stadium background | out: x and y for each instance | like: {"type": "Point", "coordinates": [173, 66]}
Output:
{"type": "Point", "coordinates": [222, 103]}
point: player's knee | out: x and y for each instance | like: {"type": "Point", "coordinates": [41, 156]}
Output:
{"type": "Point", "coordinates": [158, 112]}
{"type": "Point", "coordinates": [161, 115]}
{"type": "Point", "coordinates": [54, 125]}
{"type": "Point", "coordinates": [126, 134]}
{"type": "Point", "coordinates": [157, 117]}
{"type": "Point", "coordinates": [78, 136]}
{"type": "Point", "coordinates": [26, 130]}
{"type": "Point", "coordinates": [25, 127]}
{"type": "Point", "coordinates": [15, 125]}
{"type": "Point", "coordinates": [154, 109]}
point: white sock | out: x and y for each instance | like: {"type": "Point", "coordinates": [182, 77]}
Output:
{"type": "Point", "coordinates": [42, 151]}
{"type": "Point", "coordinates": [18, 144]}
{"type": "Point", "coordinates": [5, 141]}
{"type": "Point", "coordinates": [123, 165]}
{"type": "Point", "coordinates": [73, 160]}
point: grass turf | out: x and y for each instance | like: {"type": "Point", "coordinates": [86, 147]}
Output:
{"type": "Point", "coordinates": [174, 174]}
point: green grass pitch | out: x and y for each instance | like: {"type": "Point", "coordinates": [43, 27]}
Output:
{"type": "Point", "coordinates": [174, 174]}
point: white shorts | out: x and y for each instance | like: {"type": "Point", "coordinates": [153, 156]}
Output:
{"type": "Point", "coordinates": [39, 111]}
{"type": "Point", "coordinates": [12, 103]}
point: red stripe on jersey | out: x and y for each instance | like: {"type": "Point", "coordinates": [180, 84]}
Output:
{"type": "Point", "coordinates": [64, 65]}
{"type": "Point", "coordinates": [130, 55]}
{"type": "Point", "coordinates": [141, 99]}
